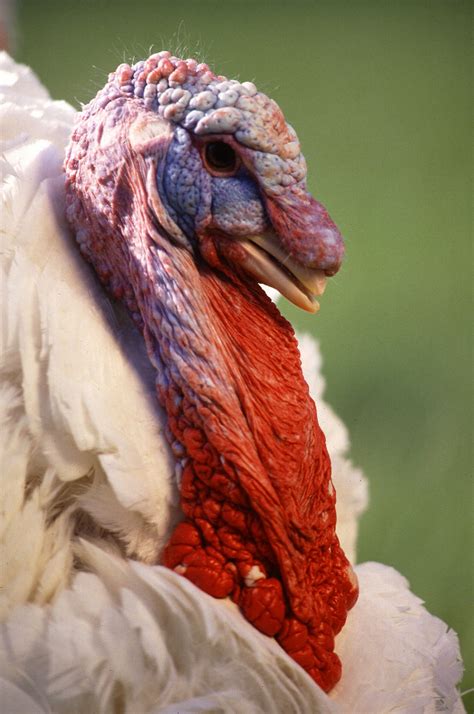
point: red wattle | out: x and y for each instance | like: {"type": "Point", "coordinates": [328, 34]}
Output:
{"type": "Point", "coordinates": [291, 581]}
{"type": "Point", "coordinates": [263, 605]}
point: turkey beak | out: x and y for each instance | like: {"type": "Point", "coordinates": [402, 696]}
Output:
{"type": "Point", "coordinates": [268, 263]}
{"type": "Point", "coordinates": [301, 250]}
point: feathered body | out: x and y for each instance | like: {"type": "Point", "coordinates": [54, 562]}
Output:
{"type": "Point", "coordinates": [83, 454]}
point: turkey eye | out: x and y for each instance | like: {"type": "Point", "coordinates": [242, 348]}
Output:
{"type": "Point", "coordinates": [220, 158]}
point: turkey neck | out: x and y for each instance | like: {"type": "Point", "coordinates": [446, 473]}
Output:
{"type": "Point", "coordinates": [229, 377]}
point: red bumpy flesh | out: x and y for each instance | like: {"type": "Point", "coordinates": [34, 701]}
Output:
{"type": "Point", "coordinates": [281, 563]}
{"type": "Point", "coordinates": [223, 543]}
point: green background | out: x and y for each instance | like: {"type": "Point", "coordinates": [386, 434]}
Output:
{"type": "Point", "coordinates": [379, 95]}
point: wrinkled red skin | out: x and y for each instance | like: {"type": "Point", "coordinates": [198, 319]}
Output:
{"type": "Point", "coordinates": [223, 536]}
{"type": "Point", "coordinates": [256, 487]}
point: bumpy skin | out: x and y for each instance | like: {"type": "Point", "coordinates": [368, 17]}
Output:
{"type": "Point", "coordinates": [163, 235]}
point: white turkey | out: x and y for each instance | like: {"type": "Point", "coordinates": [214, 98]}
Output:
{"type": "Point", "coordinates": [95, 485]}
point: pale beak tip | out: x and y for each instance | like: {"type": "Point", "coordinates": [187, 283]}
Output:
{"type": "Point", "coordinates": [304, 302]}
{"type": "Point", "coordinates": [314, 308]}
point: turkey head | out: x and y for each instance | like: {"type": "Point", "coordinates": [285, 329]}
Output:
{"type": "Point", "coordinates": [185, 190]}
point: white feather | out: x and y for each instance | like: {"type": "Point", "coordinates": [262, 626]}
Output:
{"type": "Point", "coordinates": [399, 641]}
{"type": "Point", "coordinates": [69, 348]}
{"type": "Point", "coordinates": [83, 452]}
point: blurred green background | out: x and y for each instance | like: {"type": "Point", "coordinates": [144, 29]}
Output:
{"type": "Point", "coordinates": [379, 94]}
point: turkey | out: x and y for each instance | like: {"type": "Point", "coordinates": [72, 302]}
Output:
{"type": "Point", "coordinates": [183, 190]}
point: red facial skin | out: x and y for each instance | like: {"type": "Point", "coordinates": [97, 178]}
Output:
{"type": "Point", "coordinates": [256, 489]}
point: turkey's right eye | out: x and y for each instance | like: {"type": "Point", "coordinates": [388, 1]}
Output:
{"type": "Point", "coordinates": [220, 158]}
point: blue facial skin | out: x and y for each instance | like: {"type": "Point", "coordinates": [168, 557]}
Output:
{"type": "Point", "coordinates": [192, 194]}
{"type": "Point", "coordinates": [236, 205]}
{"type": "Point", "coordinates": [184, 183]}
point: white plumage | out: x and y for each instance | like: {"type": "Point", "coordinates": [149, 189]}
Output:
{"type": "Point", "coordinates": [87, 478]}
